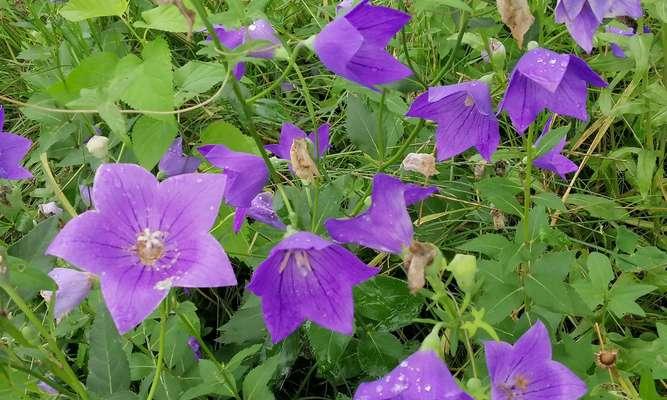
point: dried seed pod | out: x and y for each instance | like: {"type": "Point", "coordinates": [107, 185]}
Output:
{"type": "Point", "coordinates": [606, 358]}
{"type": "Point", "coordinates": [421, 163]}
{"type": "Point", "coordinates": [419, 256]}
{"type": "Point", "coordinates": [302, 163]}
{"type": "Point", "coordinates": [498, 219]}
{"type": "Point", "coordinates": [478, 170]}
{"type": "Point", "coordinates": [517, 16]}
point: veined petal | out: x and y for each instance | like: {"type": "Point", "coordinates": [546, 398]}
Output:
{"type": "Point", "coordinates": [12, 150]}
{"type": "Point", "coordinates": [372, 66]}
{"type": "Point", "coordinates": [523, 101]}
{"type": "Point", "coordinates": [377, 24]}
{"type": "Point", "coordinates": [73, 287]}
{"type": "Point", "coordinates": [321, 138]}
{"type": "Point", "coordinates": [174, 162]}
{"type": "Point", "coordinates": [202, 262]}
{"type": "Point", "coordinates": [583, 28]}
{"type": "Point", "coordinates": [630, 8]}
{"type": "Point", "coordinates": [544, 67]}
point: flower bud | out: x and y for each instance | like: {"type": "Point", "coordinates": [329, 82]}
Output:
{"type": "Point", "coordinates": [421, 163]}
{"type": "Point", "coordinates": [432, 341]}
{"type": "Point", "coordinates": [532, 45]}
{"type": "Point", "coordinates": [98, 146]}
{"type": "Point", "coordinates": [50, 208]}
{"type": "Point", "coordinates": [498, 52]}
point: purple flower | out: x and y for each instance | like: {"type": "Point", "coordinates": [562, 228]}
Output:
{"type": "Point", "coordinates": [552, 160]}
{"type": "Point", "coordinates": [583, 17]}
{"type": "Point", "coordinates": [50, 208]}
{"type": "Point", "coordinates": [73, 287]}
{"type": "Point", "coordinates": [386, 225]}
{"type": "Point", "coordinates": [143, 237]}
{"type": "Point", "coordinates": [174, 162]}
{"type": "Point", "coordinates": [353, 45]}
{"type": "Point", "coordinates": [615, 48]}
{"type": "Point", "coordinates": [290, 132]}
{"type": "Point", "coordinates": [545, 79]}
{"type": "Point", "coordinates": [261, 209]}
{"type": "Point", "coordinates": [194, 346]}
{"type": "Point", "coordinates": [231, 39]}
{"type": "Point", "coordinates": [12, 150]}
{"type": "Point", "coordinates": [246, 173]}
{"type": "Point", "coordinates": [308, 278]}
{"type": "Point", "coordinates": [526, 371]}
{"type": "Point", "coordinates": [465, 118]}
{"type": "Point", "coordinates": [422, 376]}
{"type": "Point", "coordinates": [85, 193]}
{"type": "Point", "coordinates": [261, 29]}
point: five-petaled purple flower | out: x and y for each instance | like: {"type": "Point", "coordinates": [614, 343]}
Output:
{"type": "Point", "coordinates": [290, 132]}
{"type": "Point", "coordinates": [386, 225]}
{"type": "Point", "coordinates": [73, 287]}
{"type": "Point", "coordinates": [552, 160]}
{"type": "Point", "coordinates": [12, 150]}
{"type": "Point", "coordinates": [545, 79]}
{"type": "Point", "coordinates": [143, 237]}
{"type": "Point", "coordinates": [422, 376]}
{"type": "Point", "coordinates": [246, 173]}
{"type": "Point", "coordinates": [583, 17]}
{"type": "Point", "coordinates": [261, 209]}
{"type": "Point", "coordinates": [353, 45]}
{"type": "Point", "coordinates": [306, 277]}
{"type": "Point", "coordinates": [174, 162]}
{"type": "Point", "coordinates": [464, 115]}
{"type": "Point", "coordinates": [193, 344]}
{"type": "Point", "coordinates": [525, 370]}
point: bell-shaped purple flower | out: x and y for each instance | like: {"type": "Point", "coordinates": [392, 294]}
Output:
{"type": "Point", "coordinates": [553, 160]}
{"type": "Point", "coordinates": [246, 173]}
{"type": "Point", "coordinates": [422, 376]}
{"type": "Point", "coordinates": [308, 278]}
{"type": "Point", "coordinates": [261, 209]}
{"type": "Point", "coordinates": [261, 29]}
{"type": "Point", "coordinates": [174, 162]}
{"type": "Point", "coordinates": [73, 288]}
{"type": "Point", "coordinates": [543, 79]}
{"type": "Point", "coordinates": [465, 118]}
{"type": "Point", "coordinates": [290, 132]}
{"type": "Point", "coordinates": [353, 45]}
{"type": "Point", "coordinates": [386, 225]}
{"type": "Point", "coordinates": [231, 39]}
{"type": "Point", "coordinates": [143, 237]}
{"type": "Point", "coordinates": [12, 150]}
{"type": "Point", "coordinates": [615, 48]}
{"type": "Point", "coordinates": [525, 370]}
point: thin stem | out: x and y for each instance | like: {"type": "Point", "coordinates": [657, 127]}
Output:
{"type": "Point", "coordinates": [51, 180]}
{"type": "Point", "coordinates": [281, 78]}
{"type": "Point", "coordinates": [164, 311]}
{"type": "Point", "coordinates": [452, 56]}
{"type": "Point", "coordinates": [399, 153]}
{"type": "Point", "coordinates": [404, 42]}
{"type": "Point", "coordinates": [527, 183]}
{"type": "Point", "coordinates": [380, 126]}
{"type": "Point", "coordinates": [471, 353]}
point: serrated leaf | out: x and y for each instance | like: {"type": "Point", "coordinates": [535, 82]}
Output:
{"type": "Point", "coordinates": [597, 206]}
{"type": "Point", "coordinates": [197, 77]}
{"type": "Point", "coordinates": [151, 138]}
{"type": "Point", "coordinates": [327, 346]}
{"type": "Point", "coordinates": [167, 17]}
{"type": "Point", "coordinates": [255, 384]}
{"type": "Point", "coordinates": [599, 271]}
{"type": "Point", "coordinates": [78, 10]}
{"type": "Point", "coordinates": [549, 200]}
{"type": "Point", "coordinates": [246, 325]}
{"type": "Point", "coordinates": [32, 247]}
{"type": "Point", "coordinates": [501, 192]}
{"type": "Point", "coordinates": [379, 352]}
{"type": "Point", "coordinates": [624, 294]}
{"type": "Point", "coordinates": [387, 301]}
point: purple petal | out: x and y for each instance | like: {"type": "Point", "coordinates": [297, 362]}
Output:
{"type": "Point", "coordinates": [307, 278]}
{"type": "Point", "coordinates": [174, 162]}
{"type": "Point", "coordinates": [620, 8]}
{"type": "Point", "coordinates": [583, 27]}
{"type": "Point", "coordinates": [572, 8]}
{"type": "Point", "coordinates": [246, 173]}
{"type": "Point", "coordinates": [202, 263]}
{"type": "Point", "coordinates": [239, 71]}
{"type": "Point", "coordinates": [230, 38]}
{"type": "Point", "coordinates": [261, 209]}
{"type": "Point", "coordinates": [85, 192]}
{"type": "Point", "coordinates": [321, 138]}
{"type": "Point", "coordinates": [261, 29]}
{"type": "Point", "coordinates": [288, 133]}
{"type": "Point", "coordinates": [12, 150]}
{"type": "Point", "coordinates": [239, 218]}
{"type": "Point", "coordinates": [376, 24]}
{"type": "Point", "coordinates": [544, 67]}
{"type": "Point", "coordinates": [372, 65]}
{"type": "Point", "coordinates": [422, 376]}
{"type": "Point", "coordinates": [386, 225]}
{"type": "Point", "coordinates": [73, 287]}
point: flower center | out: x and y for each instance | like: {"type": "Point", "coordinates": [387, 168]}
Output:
{"type": "Point", "coordinates": [149, 246]}
{"type": "Point", "coordinates": [469, 101]}
{"type": "Point", "coordinates": [302, 262]}
{"type": "Point", "coordinates": [518, 387]}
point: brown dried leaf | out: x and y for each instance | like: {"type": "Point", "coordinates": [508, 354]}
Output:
{"type": "Point", "coordinates": [420, 255]}
{"type": "Point", "coordinates": [421, 163]}
{"type": "Point", "coordinates": [303, 165]}
{"type": "Point", "coordinates": [517, 16]}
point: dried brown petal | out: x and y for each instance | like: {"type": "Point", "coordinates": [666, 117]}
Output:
{"type": "Point", "coordinates": [517, 16]}
{"type": "Point", "coordinates": [606, 358]}
{"type": "Point", "coordinates": [421, 163]}
{"type": "Point", "coordinates": [478, 170]}
{"type": "Point", "coordinates": [303, 165]}
{"type": "Point", "coordinates": [498, 219]}
{"type": "Point", "coordinates": [420, 255]}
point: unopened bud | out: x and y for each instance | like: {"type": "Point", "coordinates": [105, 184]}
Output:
{"type": "Point", "coordinates": [498, 52]}
{"type": "Point", "coordinates": [98, 146]}
{"type": "Point", "coordinates": [532, 45]}
{"type": "Point", "coordinates": [421, 163]}
{"type": "Point", "coordinates": [302, 163]}
{"type": "Point", "coordinates": [50, 208]}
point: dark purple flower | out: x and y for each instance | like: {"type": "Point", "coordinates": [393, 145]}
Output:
{"type": "Point", "coordinates": [12, 150]}
{"type": "Point", "coordinates": [174, 162]}
{"type": "Point", "coordinates": [290, 132]}
{"type": "Point", "coordinates": [552, 160]}
{"type": "Point", "coordinates": [194, 346]}
{"type": "Point", "coordinates": [353, 45]}
{"type": "Point", "coordinates": [231, 39]}
{"type": "Point", "coordinates": [386, 225]}
{"type": "Point", "coordinates": [246, 173]}
{"type": "Point", "coordinates": [261, 209]}
{"type": "Point", "coordinates": [545, 79]}
{"type": "Point", "coordinates": [422, 376]}
{"type": "Point", "coordinates": [465, 118]}
{"type": "Point", "coordinates": [73, 287]}
{"type": "Point", "coordinates": [525, 370]}
{"type": "Point", "coordinates": [261, 29]}
{"type": "Point", "coordinates": [143, 237]}
{"type": "Point", "coordinates": [308, 278]}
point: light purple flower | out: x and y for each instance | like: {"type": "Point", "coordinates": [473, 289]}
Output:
{"type": "Point", "coordinates": [615, 48]}
{"type": "Point", "coordinates": [231, 39]}
{"type": "Point", "coordinates": [465, 118]}
{"type": "Point", "coordinates": [85, 193]}
{"type": "Point", "coordinates": [143, 237]}
{"type": "Point", "coordinates": [261, 209]}
{"type": "Point", "coordinates": [386, 225]}
{"type": "Point", "coordinates": [625, 8]}
{"type": "Point", "coordinates": [193, 344]}
{"type": "Point", "coordinates": [246, 173]}
{"type": "Point", "coordinates": [44, 387]}
{"type": "Point", "coordinates": [50, 208]}
{"type": "Point", "coordinates": [545, 79]}
{"type": "Point", "coordinates": [174, 162]}
{"type": "Point", "coordinates": [308, 278]}
{"type": "Point", "coordinates": [422, 376]}
{"type": "Point", "coordinates": [353, 45]}
{"type": "Point", "coordinates": [290, 132]}
{"type": "Point", "coordinates": [12, 150]}
{"type": "Point", "coordinates": [344, 6]}
{"type": "Point", "coordinates": [525, 370]}
{"type": "Point", "coordinates": [552, 160]}
{"type": "Point", "coordinates": [261, 29]}
{"type": "Point", "coordinates": [73, 288]}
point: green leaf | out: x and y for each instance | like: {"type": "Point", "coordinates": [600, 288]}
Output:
{"type": "Point", "coordinates": [624, 294]}
{"type": "Point", "coordinates": [362, 127]}
{"type": "Point", "coordinates": [246, 325]}
{"type": "Point", "coordinates": [328, 347]}
{"type": "Point", "coordinates": [464, 267]}
{"type": "Point", "coordinates": [108, 368]}
{"type": "Point", "coordinates": [646, 162]}
{"type": "Point", "coordinates": [549, 200]}
{"type": "Point", "coordinates": [197, 77]}
{"type": "Point", "coordinates": [490, 244]}
{"type": "Point", "coordinates": [551, 139]}
{"type": "Point", "coordinates": [432, 5]}
{"type": "Point", "coordinates": [168, 18]}
{"type": "Point", "coordinates": [379, 352]}
{"type": "Point", "coordinates": [255, 384]}
{"type": "Point", "coordinates": [151, 138]}
{"type": "Point", "coordinates": [387, 301]}
{"type": "Point", "coordinates": [501, 192]}
{"type": "Point", "coordinates": [78, 10]}
{"type": "Point", "coordinates": [546, 286]}
{"type": "Point", "coordinates": [32, 247]}
{"type": "Point", "coordinates": [626, 240]}
{"type": "Point", "coordinates": [222, 132]}
{"type": "Point", "coordinates": [599, 271]}
{"type": "Point", "coordinates": [92, 72]}
{"type": "Point", "coordinates": [597, 206]}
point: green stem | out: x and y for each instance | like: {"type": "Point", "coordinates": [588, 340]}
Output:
{"type": "Point", "coordinates": [51, 180]}
{"type": "Point", "coordinates": [527, 183]}
{"type": "Point", "coordinates": [450, 61]}
{"type": "Point", "coordinates": [471, 353]}
{"type": "Point", "coordinates": [164, 311]}
{"type": "Point", "coordinates": [281, 78]}
{"type": "Point", "coordinates": [73, 380]}
{"type": "Point", "coordinates": [664, 53]}
{"type": "Point", "coordinates": [399, 153]}
{"type": "Point", "coordinates": [380, 126]}
{"type": "Point", "coordinates": [404, 42]}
